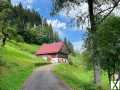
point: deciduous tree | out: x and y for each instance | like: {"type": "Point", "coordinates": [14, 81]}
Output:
{"type": "Point", "coordinates": [98, 11]}
{"type": "Point", "coordinates": [108, 46]}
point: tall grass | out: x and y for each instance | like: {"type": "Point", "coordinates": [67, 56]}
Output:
{"type": "Point", "coordinates": [17, 61]}
{"type": "Point", "coordinates": [78, 76]}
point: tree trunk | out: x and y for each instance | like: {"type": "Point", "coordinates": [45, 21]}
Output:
{"type": "Point", "coordinates": [109, 77]}
{"type": "Point", "coordinates": [5, 35]}
{"type": "Point", "coordinates": [96, 65]}
{"type": "Point", "coordinates": [97, 73]}
{"type": "Point", "coordinates": [4, 41]}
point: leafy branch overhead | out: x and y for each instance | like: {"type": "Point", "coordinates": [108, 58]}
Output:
{"type": "Point", "coordinates": [97, 11]}
{"type": "Point", "coordinates": [101, 9]}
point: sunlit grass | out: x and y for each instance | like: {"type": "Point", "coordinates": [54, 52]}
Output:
{"type": "Point", "coordinates": [17, 61]}
{"type": "Point", "coordinates": [78, 77]}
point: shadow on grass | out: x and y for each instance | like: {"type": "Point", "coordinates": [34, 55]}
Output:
{"type": "Point", "coordinates": [76, 83]}
{"type": "Point", "coordinates": [80, 85]}
{"type": "Point", "coordinates": [40, 64]}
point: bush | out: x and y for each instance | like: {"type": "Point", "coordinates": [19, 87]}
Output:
{"type": "Point", "coordinates": [2, 62]}
{"type": "Point", "coordinates": [40, 64]}
{"type": "Point", "coordinates": [19, 38]}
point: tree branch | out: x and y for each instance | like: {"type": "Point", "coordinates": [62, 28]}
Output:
{"type": "Point", "coordinates": [115, 5]}
{"type": "Point", "coordinates": [103, 11]}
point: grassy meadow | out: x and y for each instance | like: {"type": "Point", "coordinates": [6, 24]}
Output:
{"type": "Point", "coordinates": [78, 76]}
{"type": "Point", "coordinates": [17, 60]}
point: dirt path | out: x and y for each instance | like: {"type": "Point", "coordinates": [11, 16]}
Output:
{"type": "Point", "coordinates": [43, 79]}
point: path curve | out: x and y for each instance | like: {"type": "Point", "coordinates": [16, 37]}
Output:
{"type": "Point", "coordinates": [43, 79]}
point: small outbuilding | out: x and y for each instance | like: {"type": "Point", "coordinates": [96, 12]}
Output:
{"type": "Point", "coordinates": [55, 52]}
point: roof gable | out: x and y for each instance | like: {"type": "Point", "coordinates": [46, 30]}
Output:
{"type": "Point", "coordinates": [50, 48]}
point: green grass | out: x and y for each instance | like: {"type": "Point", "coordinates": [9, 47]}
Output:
{"type": "Point", "coordinates": [17, 60]}
{"type": "Point", "coordinates": [78, 77]}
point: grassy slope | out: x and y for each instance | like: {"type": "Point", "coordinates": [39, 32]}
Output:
{"type": "Point", "coordinates": [77, 76]}
{"type": "Point", "coordinates": [16, 63]}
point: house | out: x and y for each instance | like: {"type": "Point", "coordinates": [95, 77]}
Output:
{"type": "Point", "coordinates": [54, 52]}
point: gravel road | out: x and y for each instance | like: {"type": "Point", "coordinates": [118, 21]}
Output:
{"type": "Point", "coordinates": [43, 78]}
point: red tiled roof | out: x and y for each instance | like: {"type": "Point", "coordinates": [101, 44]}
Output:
{"type": "Point", "coordinates": [50, 48]}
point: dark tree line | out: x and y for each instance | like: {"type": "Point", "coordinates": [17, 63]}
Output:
{"type": "Point", "coordinates": [69, 46]}
{"type": "Point", "coordinates": [23, 24]}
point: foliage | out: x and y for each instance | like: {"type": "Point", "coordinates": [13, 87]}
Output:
{"type": "Point", "coordinates": [5, 16]}
{"type": "Point", "coordinates": [95, 15]}
{"type": "Point", "coordinates": [23, 24]}
{"type": "Point", "coordinates": [99, 14]}
{"type": "Point", "coordinates": [69, 46]}
{"type": "Point", "coordinates": [79, 76]}
{"type": "Point", "coordinates": [108, 45]}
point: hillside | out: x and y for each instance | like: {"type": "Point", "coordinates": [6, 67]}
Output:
{"type": "Point", "coordinates": [17, 61]}
{"type": "Point", "coordinates": [79, 75]}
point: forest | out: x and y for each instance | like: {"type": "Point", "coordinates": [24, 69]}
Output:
{"type": "Point", "coordinates": [24, 25]}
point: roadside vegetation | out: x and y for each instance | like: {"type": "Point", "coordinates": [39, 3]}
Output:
{"type": "Point", "coordinates": [79, 75]}
{"type": "Point", "coordinates": [16, 64]}
{"type": "Point", "coordinates": [103, 34]}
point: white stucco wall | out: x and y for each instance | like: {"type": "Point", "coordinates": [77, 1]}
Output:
{"type": "Point", "coordinates": [55, 60]}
